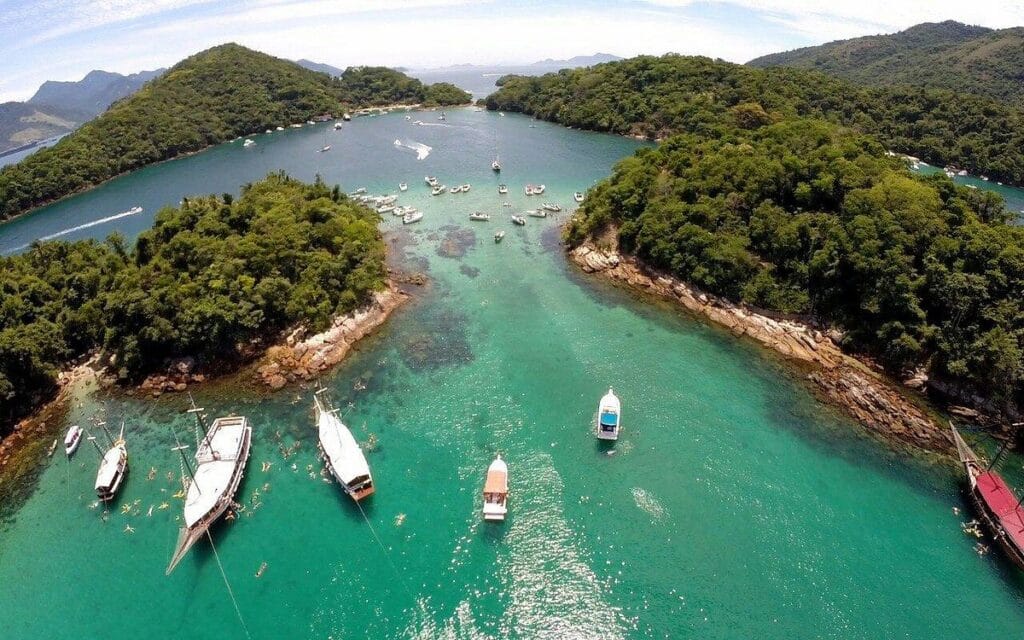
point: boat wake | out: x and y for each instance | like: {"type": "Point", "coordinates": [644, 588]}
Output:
{"type": "Point", "coordinates": [648, 503]}
{"type": "Point", "coordinates": [124, 214]}
{"type": "Point", "coordinates": [420, 123]}
{"type": "Point", "coordinates": [422, 150]}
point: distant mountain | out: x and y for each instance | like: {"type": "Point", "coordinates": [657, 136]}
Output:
{"type": "Point", "coordinates": [944, 55]}
{"type": "Point", "coordinates": [23, 124]}
{"type": "Point", "coordinates": [92, 94]}
{"type": "Point", "coordinates": [319, 67]}
{"type": "Point", "coordinates": [578, 61]}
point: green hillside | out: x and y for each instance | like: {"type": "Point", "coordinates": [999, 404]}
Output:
{"type": "Point", "coordinates": [211, 97]}
{"type": "Point", "coordinates": [655, 97]}
{"type": "Point", "coordinates": [945, 55]}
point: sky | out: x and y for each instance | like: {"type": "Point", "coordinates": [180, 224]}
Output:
{"type": "Point", "coordinates": [64, 39]}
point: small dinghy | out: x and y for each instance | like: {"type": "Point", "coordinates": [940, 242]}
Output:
{"type": "Point", "coordinates": [498, 237]}
{"type": "Point", "coordinates": [337, 126]}
{"type": "Point", "coordinates": [520, 220]}
{"type": "Point", "coordinates": [578, 196]}
{"type": "Point", "coordinates": [402, 186]}
{"type": "Point", "coordinates": [608, 413]}
{"type": "Point", "coordinates": [456, 189]}
{"type": "Point", "coordinates": [496, 491]}
{"type": "Point", "coordinates": [496, 166]}
{"type": "Point", "coordinates": [72, 440]}
{"type": "Point", "coordinates": [325, 148]}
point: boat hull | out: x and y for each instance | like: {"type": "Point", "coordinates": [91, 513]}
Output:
{"type": "Point", "coordinates": [188, 536]}
{"type": "Point", "coordinates": [990, 521]}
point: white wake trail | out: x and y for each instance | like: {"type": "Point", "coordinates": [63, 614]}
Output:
{"type": "Point", "coordinates": [124, 214]}
{"type": "Point", "coordinates": [422, 150]}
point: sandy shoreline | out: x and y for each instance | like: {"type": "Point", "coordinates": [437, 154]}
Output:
{"type": "Point", "coordinates": [883, 407]}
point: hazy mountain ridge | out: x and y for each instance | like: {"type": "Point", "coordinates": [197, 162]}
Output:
{"type": "Point", "coordinates": [944, 55]}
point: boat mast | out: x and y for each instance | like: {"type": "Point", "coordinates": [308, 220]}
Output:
{"type": "Point", "coordinates": [198, 413]}
{"type": "Point", "coordinates": [102, 424]}
{"type": "Point", "coordinates": [92, 439]}
{"type": "Point", "coordinates": [180, 448]}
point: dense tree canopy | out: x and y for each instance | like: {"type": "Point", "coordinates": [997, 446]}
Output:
{"type": "Point", "coordinates": [807, 217]}
{"type": "Point", "coordinates": [211, 97]}
{"type": "Point", "coordinates": [208, 280]}
{"type": "Point", "coordinates": [658, 96]}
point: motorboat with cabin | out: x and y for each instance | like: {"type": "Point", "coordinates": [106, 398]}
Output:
{"type": "Point", "coordinates": [548, 206]}
{"type": "Point", "coordinates": [502, 189]}
{"type": "Point", "coordinates": [479, 216]}
{"type": "Point", "coordinates": [431, 181]}
{"type": "Point", "coordinates": [609, 412]}
{"type": "Point", "coordinates": [496, 491]}
{"type": "Point", "coordinates": [537, 213]}
{"type": "Point", "coordinates": [72, 439]}
{"type": "Point", "coordinates": [412, 216]}
{"type": "Point", "coordinates": [220, 459]}
{"type": "Point", "coordinates": [499, 236]}
{"type": "Point", "coordinates": [496, 166]}
{"type": "Point", "coordinates": [578, 196]}
{"type": "Point", "coordinates": [341, 453]}
{"type": "Point", "coordinates": [403, 186]}
{"type": "Point", "coordinates": [248, 142]}
{"type": "Point", "coordinates": [519, 220]}
{"type": "Point", "coordinates": [438, 190]}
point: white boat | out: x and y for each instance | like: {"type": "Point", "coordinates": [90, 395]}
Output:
{"type": "Point", "coordinates": [248, 142]}
{"type": "Point", "coordinates": [438, 190]}
{"type": "Point", "coordinates": [538, 190]}
{"type": "Point", "coordinates": [499, 236]}
{"type": "Point", "coordinates": [387, 199]}
{"type": "Point", "coordinates": [337, 126]}
{"type": "Point", "coordinates": [341, 452]}
{"type": "Point", "coordinates": [408, 117]}
{"type": "Point", "coordinates": [502, 188]}
{"type": "Point", "coordinates": [296, 125]}
{"type": "Point", "coordinates": [113, 468]}
{"type": "Point", "coordinates": [134, 210]}
{"type": "Point", "coordinates": [520, 220]}
{"type": "Point", "coordinates": [537, 213]}
{"type": "Point", "coordinates": [269, 131]}
{"type": "Point", "coordinates": [482, 217]}
{"type": "Point", "coordinates": [456, 189]}
{"type": "Point", "coordinates": [346, 117]}
{"type": "Point", "coordinates": [325, 148]}
{"type": "Point", "coordinates": [402, 186]}
{"type": "Point", "coordinates": [578, 196]}
{"type": "Point", "coordinates": [528, 189]}
{"type": "Point", "coordinates": [465, 188]}
{"type": "Point", "coordinates": [442, 117]}
{"type": "Point", "coordinates": [496, 491]}
{"type": "Point", "coordinates": [310, 122]}
{"type": "Point", "coordinates": [496, 166]}
{"type": "Point", "coordinates": [411, 217]}
{"type": "Point", "coordinates": [220, 464]}
{"type": "Point", "coordinates": [431, 180]}
{"type": "Point", "coordinates": [72, 439]}
{"type": "Point", "coordinates": [360, 191]}
{"type": "Point", "coordinates": [506, 204]}
{"type": "Point", "coordinates": [384, 208]}
{"type": "Point", "coordinates": [608, 416]}
{"type": "Point", "coordinates": [280, 129]}
{"type": "Point", "coordinates": [547, 206]}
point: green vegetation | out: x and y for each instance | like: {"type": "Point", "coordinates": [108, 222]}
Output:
{"type": "Point", "coordinates": [655, 97]}
{"type": "Point", "coordinates": [807, 217]}
{"type": "Point", "coordinates": [211, 97]}
{"type": "Point", "coordinates": [946, 55]}
{"type": "Point", "coordinates": [209, 280]}
{"type": "Point", "coordinates": [443, 94]}
{"type": "Point", "coordinates": [379, 86]}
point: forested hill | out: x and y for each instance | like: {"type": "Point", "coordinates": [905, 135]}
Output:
{"type": "Point", "coordinates": [807, 217]}
{"type": "Point", "coordinates": [658, 96]}
{"type": "Point", "coordinates": [211, 97]}
{"type": "Point", "coordinates": [944, 55]}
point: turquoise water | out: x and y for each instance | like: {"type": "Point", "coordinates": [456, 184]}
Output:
{"type": "Point", "coordinates": [732, 506]}
{"type": "Point", "coordinates": [1013, 196]}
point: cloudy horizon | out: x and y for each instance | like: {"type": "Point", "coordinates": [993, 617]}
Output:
{"type": "Point", "coordinates": [65, 39]}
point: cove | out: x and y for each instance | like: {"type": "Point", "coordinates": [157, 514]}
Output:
{"type": "Point", "coordinates": [733, 505]}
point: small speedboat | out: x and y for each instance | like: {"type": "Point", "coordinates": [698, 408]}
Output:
{"type": "Point", "coordinates": [337, 126]}
{"type": "Point", "coordinates": [385, 208]}
{"type": "Point", "coordinates": [538, 190]}
{"type": "Point", "coordinates": [325, 148]}
{"type": "Point", "coordinates": [465, 188]}
{"type": "Point", "coordinates": [520, 220]}
{"type": "Point", "coordinates": [482, 217]}
{"type": "Point", "coordinates": [280, 129]}
{"type": "Point", "coordinates": [72, 440]}
{"type": "Point", "coordinates": [412, 216]}
{"type": "Point", "coordinates": [506, 204]}
{"type": "Point", "coordinates": [578, 196]}
{"type": "Point", "coordinates": [438, 190]}
{"type": "Point", "coordinates": [387, 199]}
{"type": "Point", "coordinates": [547, 206]}
{"type": "Point", "coordinates": [528, 190]}
{"type": "Point", "coordinates": [442, 117]}
{"type": "Point", "coordinates": [495, 166]}
{"type": "Point", "coordinates": [502, 188]}
{"type": "Point", "coordinates": [498, 237]}
{"type": "Point", "coordinates": [359, 191]}
{"type": "Point", "coordinates": [496, 491]}
{"type": "Point", "coordinates": [431, 180]}
{"type": "Point", "coordinates": [402, 186]}
{"type": "Point", "coordinates": [608, 414]}
{"type": "Point", "coordinates": [248, 142]}
{"type": "Point", "coordinates": [310, 122]}
{"type": "Point", "coordinates": [456, 189]}
{"type": "Point", "coordinates": [346, 117]}
{"type": "Point", "coordinates": [537, 213]}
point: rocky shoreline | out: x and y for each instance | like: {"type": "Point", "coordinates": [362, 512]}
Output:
{"type": "Point", "coordinates": [865, 394]}
{"type": "Point", "coordinates": [305, 359]}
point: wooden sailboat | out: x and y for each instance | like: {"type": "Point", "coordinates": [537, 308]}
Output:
{"type": "Point", "coordinates": [341, 452]}
{"type": "Point", "coordinates": [994, 502]}
{"type": "Point", "coordinates": [113, 467]}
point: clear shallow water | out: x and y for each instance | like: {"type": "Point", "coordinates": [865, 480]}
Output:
{"type": "Point", "coordinates": [1014, 196]}
{"type": "Point", "coordinates": [733, 506]}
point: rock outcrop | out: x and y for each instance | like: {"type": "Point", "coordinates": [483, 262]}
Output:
{"type": "Point", "coordinates": [841, 379]}
{"type": "Point", "coordinates": [304, 359]}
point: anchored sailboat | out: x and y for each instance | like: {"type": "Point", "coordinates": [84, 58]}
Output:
{"type": "Point", "coordinates": [994, 502]}
{"type": "Point", "coordinates": [113, 466]}
{"type": "Point", "coordinates": [220, 463]}
{"type": "Point", "coordinates": [341, 452]}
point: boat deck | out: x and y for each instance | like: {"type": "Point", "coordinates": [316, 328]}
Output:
{"type": "Point", "coordinates": [1003, 504]}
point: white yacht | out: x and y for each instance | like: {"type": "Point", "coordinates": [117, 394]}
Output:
{"type": "Point", "coordinates": [547, 206]}
{"type": "Point", "coordinates": [248, 142]}
{"type": "Point", "coordinates": [482, 217]}
{"type": "Point", "coordinates": [72, 440]}
{"type": "Point", "coordinates": [465, 188]}
{"type": "Point", "coordinates": [220, 464]}
{"type": "Point", "coordinates": [537, 213]}
{"type": "Point", "coordinates": [608, 415]}
{"type": "Point", "coordinates": [578, 196]}
{"type": "Point", "coordinates": [431, 180]}
{"type": "Point", "coordinates": [496, 166]}
{"type": "Point", "coordinates": [412, 216]}
{"type": "Point", "coordinates": [538, 190]}
{"type": "Point", "coordinates": [496, 491]}
{"type": "Point", "coordinates": [385, 208]}
{"type": "Point", "coordinates": [337, 126]}
{"type": "Point", "coordinates": [325, 148]}
{"type": "Point", "coordinates": [499, 236]}
{"type": "Point", "coordinates": [341, 452]}
{"type": "Point", "coordinates": [520, 220]}
{"type": "Point", "coordinates": [113, 468]}
{"type": "Point", "coordinates": [456, 189]}
{"type": "Point", "coordinates": [438, 190]}
{"type": "Point", "coordinates": [502, 188]}
{"type": "Point", "coordinates": [402, 186]}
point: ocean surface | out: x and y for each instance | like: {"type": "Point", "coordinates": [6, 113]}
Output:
{"type": "Point", "coordinates": [733, 506]}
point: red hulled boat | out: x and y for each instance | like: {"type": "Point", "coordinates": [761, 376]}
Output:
{"type": "Point", "coordinates": [997, 506]}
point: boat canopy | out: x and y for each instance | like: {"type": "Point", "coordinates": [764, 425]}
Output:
{"type": "Point", "coordinates": [217, 458]}
{"type": "Point", "coordinates": [343, 453]}
{"type": "Point", "coordinates": [110, 466]}
{"type": "Point", "coordinates": [1004, 504]}
{"type": "Point", "coordinates": [497, 477]}
{"type": "Point", "coordinates": [609, 419]}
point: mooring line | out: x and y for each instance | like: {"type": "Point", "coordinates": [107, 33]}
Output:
{"type": "Point", "coordinates": [228, 585]}
{"type": "Point", "coordinates": [387, 556]}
